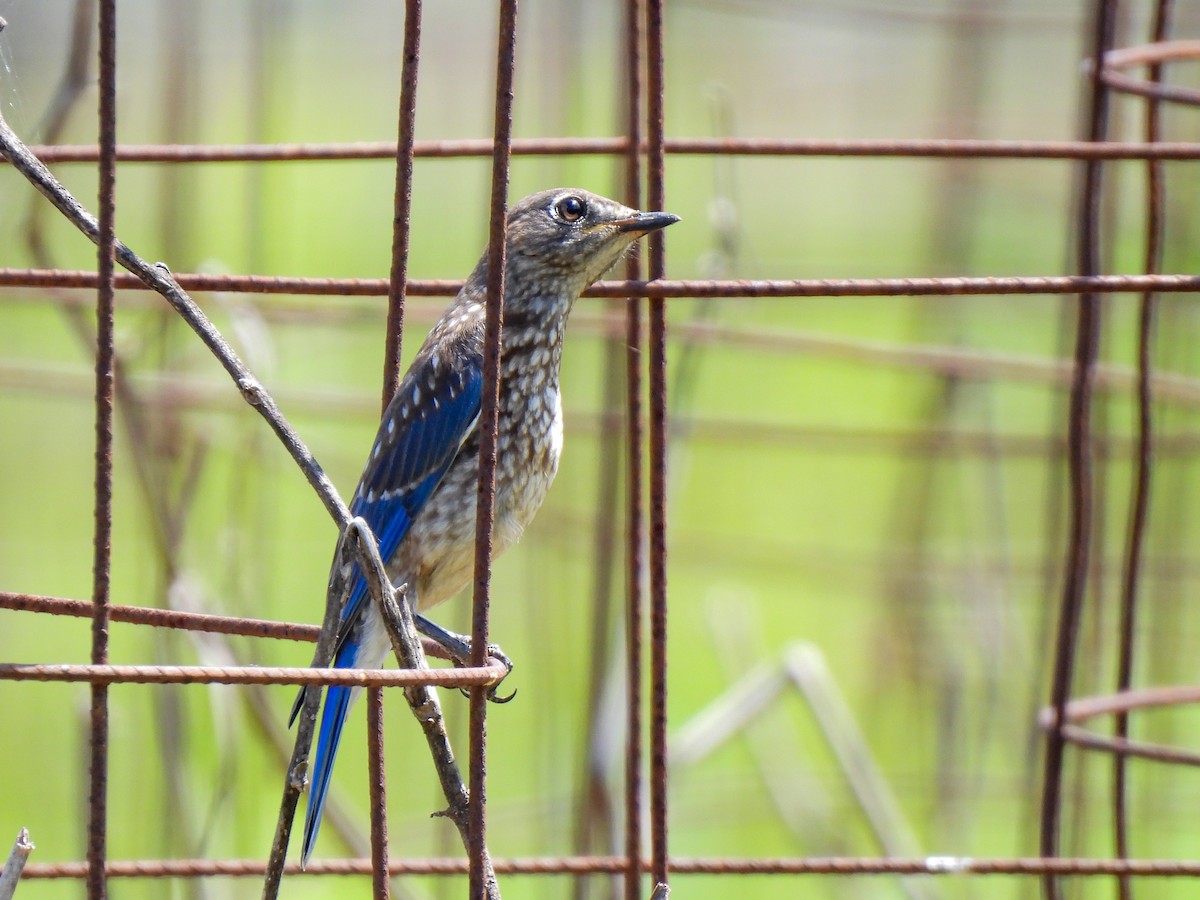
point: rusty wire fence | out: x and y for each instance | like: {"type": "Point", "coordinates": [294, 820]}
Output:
{"type": "Point", "coordinates": [622, 839]}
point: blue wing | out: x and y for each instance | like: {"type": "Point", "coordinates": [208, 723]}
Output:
{"type": "Point", "coordinates": [433, 412]}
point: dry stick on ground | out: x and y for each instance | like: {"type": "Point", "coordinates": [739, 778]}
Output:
{"type": "Point", "coordinates": [159, 278]}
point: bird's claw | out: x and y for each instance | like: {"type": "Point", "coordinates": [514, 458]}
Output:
{"type": "Point", "coordinates": [493, 697]}
{"type": "Point", "coordinates": [494, 652]}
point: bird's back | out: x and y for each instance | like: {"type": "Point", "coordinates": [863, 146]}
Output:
{"type": "Point", "coordinates": [437, 556]}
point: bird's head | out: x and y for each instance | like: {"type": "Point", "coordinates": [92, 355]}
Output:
{"type": "Point", "coordinates": [567, 238]}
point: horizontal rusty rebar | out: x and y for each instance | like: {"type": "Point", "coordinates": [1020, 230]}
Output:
{"type": "Point", "coordinates": [825, 865]}
{"type": "Point", "coordinates": [668, 288]}
{"type": "Point", "coordinates": [186, 621]}
{"type": "Point", "coordinates": [1083, 708]}
{"type": "Point", "coordinates": [163, 618]}
{"type": "Point", "coordinates": [250, 284]}
{"type": "Point", "coordinates": [458, 677]}
{"type": "Point", "coordinates": [1150, 54]}
{"type": "Point", "coordinates": [1126, 747]}
{"type": "Point", "coordinates": [1123, 702]}
{"type": "Point", "coordinates": [1155, 52]}
{"type": "Point", "coordinates": [612, 146]}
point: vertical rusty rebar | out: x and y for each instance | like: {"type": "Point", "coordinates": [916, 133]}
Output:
{"type": "Point", "coordinates": [480, 874]}
{"type": "Point", "coordinates": [595, 814]}
{"type": "Point", "coordinates": [377, 783]}
{"type": "Point", "coordinates": [1079, 450]}
{"type": "Point", "coordinates": [1140, 502]}
{"type": "Point", "coordinates": [656, 197]}
{"type": "Point", "coordinates": [262, 24]}
{"type": "Point", "coordinates": [398, 282]}
{"type": "Point", "coordinates": [102, 538]}
{"type": "Point", "coordinates": [402, 205]}
{"type": "Point", "coordinates": [635, 562]}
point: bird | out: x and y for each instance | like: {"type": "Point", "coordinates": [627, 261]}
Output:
{"type": "Point", "coordinates": [418, 487]}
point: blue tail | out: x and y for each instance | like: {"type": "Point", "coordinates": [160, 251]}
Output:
{"type": "Point", "coordinates": [337, 704]}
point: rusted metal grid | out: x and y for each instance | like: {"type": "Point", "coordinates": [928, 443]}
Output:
{"type": "Point", "coordinates": [644, 148]}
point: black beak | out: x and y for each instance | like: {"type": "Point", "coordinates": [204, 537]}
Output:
{"type": "Point", "coordinates": [647, 221]}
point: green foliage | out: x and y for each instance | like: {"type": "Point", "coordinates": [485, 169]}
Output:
{"type": "Point", "coordinates": [811, 493]}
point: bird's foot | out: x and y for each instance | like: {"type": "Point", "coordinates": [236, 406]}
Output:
{"type": "Point", "coordinates": [458, 646]}
{"type": "Point", "coordinates": [494, 652]}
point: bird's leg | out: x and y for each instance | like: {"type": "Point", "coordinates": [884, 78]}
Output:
{"type": "Point", "coordinates": [459, 648]}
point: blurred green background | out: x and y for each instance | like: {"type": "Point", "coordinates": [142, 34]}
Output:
{"type": "Point", "coordinates": [871, 489]}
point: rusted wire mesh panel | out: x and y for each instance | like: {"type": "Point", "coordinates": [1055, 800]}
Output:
{"type": "Point", "coordinates": [883, 461]}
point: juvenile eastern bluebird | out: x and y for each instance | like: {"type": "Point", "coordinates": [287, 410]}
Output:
{"type": "Point", "coordinates": [418, 489]}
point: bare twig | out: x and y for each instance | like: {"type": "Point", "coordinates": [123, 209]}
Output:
{"type": "Point", "coordinates": [340, 585]}
{"type": "Point", "coordinates": [263, 715]}
{"type": "Point", "coordinates": [159, 278]}
{"type": "Point", "coordinates": [21, 849]}
{"type": "Point", "coordinates": [398, 618]}
{"type": "Point", "coordinates": [363, 546]}
{"type": "Point", "coordinates": [357, 545]}
{"type": "Point", "coordinates": [152, 461]}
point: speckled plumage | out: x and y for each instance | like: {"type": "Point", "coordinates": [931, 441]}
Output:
{"type": "Point", "coordinates": [418, 489]}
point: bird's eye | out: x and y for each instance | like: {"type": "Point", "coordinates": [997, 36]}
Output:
{"type": "Point", "coordinates": [570, 209]}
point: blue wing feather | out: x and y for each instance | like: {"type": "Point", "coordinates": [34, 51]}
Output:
{"type": "Point", "coordinates": [414, 457]}
{"type": "Point", "coordinates": [423, 428]}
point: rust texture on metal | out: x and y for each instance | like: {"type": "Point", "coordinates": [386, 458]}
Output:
{"type": "Point", "coordinates": [467, 676]}
{"type": "Point", "coordinates": [482, 879]}
{"type": "Point", "coordinates": [686, 865]}
{"type": "Point", "coordinates": [163, 618]}
{"type": "Point", "coordinates": [641, 327]}
{"type": "Point", "coordinates": [614, 146]}
{"type": "Point", "coordinates": [635, 519]}
{"type": "Point", "coordinates": [1140, 500]}
{"type": "Point", "coordinates": [1080, 453]}
{"type": "Point", "coordinates": [97, 831]}
{"type": "Point", "coordinates": [393, 347]}
{"type": "Point", "coordinates": [657, 363]}
{"type": "Point", "coordinates": [402, 204]}
{"type": "Point", "coordinates": [667, 288]}
{"type": "Point", "coordinates": [377, 784]}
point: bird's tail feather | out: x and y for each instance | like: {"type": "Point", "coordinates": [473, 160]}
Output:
{"type": "Point", "coordinates": [337, 704]}
{"type": "Point", "coordinates": [298, 705]}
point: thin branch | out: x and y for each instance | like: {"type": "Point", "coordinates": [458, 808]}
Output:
{"type": "Point", "coordinates": [397, 615]}
{"type": "Point", "coordinates": [159, 278]}
{"type": "Point", "coordinates": [358, 545]}
{"type": "Point", "coordinates": [20, 852]}
{"type": "Point", "coordinates": [340, 585]}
